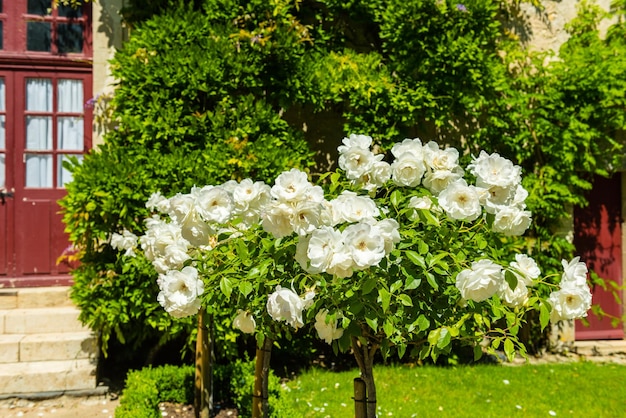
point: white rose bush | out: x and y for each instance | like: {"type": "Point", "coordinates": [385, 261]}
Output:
{"type": "Point", "coordinates": [403, 255]}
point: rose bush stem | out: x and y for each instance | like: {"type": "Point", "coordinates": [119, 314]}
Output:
{"type": "Point", "coordinates": [203, 400]}
{"type": "Point", "coordinates": [364, 355]}
{"type": "Point", "coordinates": [260, 404]}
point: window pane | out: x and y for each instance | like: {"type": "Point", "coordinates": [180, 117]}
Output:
{"type": "Point", "coordinates": [69, 38]}
{"type": "Point", "coordinates": [38, 170]}
{"type": "Point", "coordinates": [70, 12]}
{"type": "Point", "coordinates": [38, 36]}
{"type": "Point", "coordinates": [39, 94]}
{"type": "Point", "coordinates": [39, 7]}
{"type": "Point", "coordinates": [70, 133]}
{"type": "Point", "coordinates": [65, 176]}
{"type": "Point", "coordinates": [38, 133]}
{"type": "Point", "coordinates": [2, 95]}
{"type": "Point", "coordinates": [2, 170]}
{"type": "Point", "coordinates": [2, 133]}
{"type": "Point", "coordinates": [70, 98]}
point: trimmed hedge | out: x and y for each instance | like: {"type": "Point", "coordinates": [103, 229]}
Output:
{"type": "Point", "coordinates": [233, 385]}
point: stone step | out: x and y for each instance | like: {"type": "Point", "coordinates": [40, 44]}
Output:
{"type": "Point", "coordinates": [47, 376]}
{"type": "Point", "coordinates": [51, 346]}
{"type": "Point", "coordinates": [40, 320]}
{"type": "Point", "coordinates": [35, 297]}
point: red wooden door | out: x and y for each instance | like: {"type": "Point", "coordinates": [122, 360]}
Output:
{"type": "Point", "coordinates": [45, 79]}
{"type": "Point", "coordinates": [598, 241]}
{"type": "Point", "coordinates": [45, 124]}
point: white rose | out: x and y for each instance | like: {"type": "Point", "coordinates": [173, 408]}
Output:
{"type": "Point", "coordinates": [291, 186]}
{"type": "Point", "coordinates": [176, 254]}
{"type": "Point", "coordinates": [215, 204]}
{"type": "Point", "coordinates": [355, 141]}
{"type": "Point", "coordinates": [574, 273]}
{"type": "Point", "coordinates": [494, 170]}
{"type": "Point", "coordinates": [251, 196]}
{"type": "Point", "coordinates": [378, 174]}
{"type": "Point", "coordinates": [126, 241]}
{"type": "Point", "coordinates": [180, 291]}
{"type": "Point", "coordinates": [389, 230]}
{"type": "Point", "coordinates": [195, 230]}
{"type": "Point", "coordinates": [350, 207]}
{"type": "Point", "coordinates": [460, 201]}
{"type": "Point", "coordinates": [181, 205]}
{"type": "Point", "coordinates": [525, 268]}
{"type": "Point", "coordinates": [276, 219]}
{"type": "Point", "coordinates": [511, 221]}
{"type": "Point", "coordinates": [439, 180]}
{"type": "Point", "coordinates": [158, 237]}
{"type": "Point", "coordinates": [408, 170]}
{"type": "Point", "coordinates": [326, 252]}
{"type": "Point", "coordinates": [244, 322]}
{"type": "Point", "coordinates": [158, 202]}
{"type": "Point", "coordinates": [480, 282]}
{"type": "Point", "coordinates": [408, 146]}
{"type": "Point", "coordinates": [365, 244]}
{"type": "Point", "coordinates": [438, 159]}
{"type": "Point", "coordinates": [424, 202]}
{"type": "Point", "coordinates": [306, 217]}
{"type": "Point", "coordinates": [286, 305]}
{"type": "Point", "coordinates": [513, 297]}
{"type": "Point", "coordinates": [327, 330]}
{"type": "Point", "coordinates": [356, 162]}
{"type": "Point", "coordinates": [570, 303]}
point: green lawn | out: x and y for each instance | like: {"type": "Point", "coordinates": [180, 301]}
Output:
{"type": "Point", "coordinates": [573, 390]}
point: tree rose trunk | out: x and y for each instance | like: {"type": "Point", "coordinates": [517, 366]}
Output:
{"type": "Point", "coordinates": [364, 355]}
{"type": "Point", "coordinates": [260, 396]}
{"type": "Point", "coordinates": [203, 396]}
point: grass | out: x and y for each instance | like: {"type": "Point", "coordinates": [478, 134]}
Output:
{"type": "Point", "coordinates": [581, 389]}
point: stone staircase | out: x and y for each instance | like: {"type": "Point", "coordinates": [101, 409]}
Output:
{"type": "Point", "coordinates": [44, 349]}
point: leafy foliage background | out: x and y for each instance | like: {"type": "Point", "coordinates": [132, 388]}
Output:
{"type": "Point", "coordinates": [217, 89]}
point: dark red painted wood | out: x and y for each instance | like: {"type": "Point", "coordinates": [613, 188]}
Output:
{"type": "Point", "coordinates": [31, 231]}
{"type": "Point", "coordinates": [15, 17]}
{"type": "Point", "coordinates": [598, 240]}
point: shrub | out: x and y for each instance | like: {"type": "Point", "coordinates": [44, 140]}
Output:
{"type": "Point", "coordinates": [233, 384]}
{"type": "Point", "coordinates": [148, 387]}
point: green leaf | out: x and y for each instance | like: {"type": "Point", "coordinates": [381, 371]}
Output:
{"type": "Point", "coordinates": [385, 298]}
{"type": "Point", "coordinates": [544, 315]}
{"type": "Point", "coordinates": [396, 198]}
{"type": "Point", "coordinates": [444, 338]}
{"type": "Point", "coordinates": [245, 288]}
{"type": "Point", "coordinates": [401, 350]}
{"type": "Point", "coordinates": [395, 286]}
{"type": "Point", "coordinates": [415, 258]}
{"type": "Point", "coordinates": [509, 349]}
{"type": "Point", "coordinates": [226, 286]}
{"type": "Point", "coordinates": [412, 283]}
{"type": "Point", "coordinates": [405, 299]}
{"type": "Point", "coordinates": [422, 247]}
{"type": "Point", "coordinates": [388, 328]}
{"type": "Point", "coordinates": [431, 280]}
{"type": "Point", "coordinates": [372, 322]}
{"type": "Point", "coordinates": [423, 323]}
{"type": "Point", "coordinates": [511, 279]}
{"type": "Point", "coordinates": [369, 285]}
